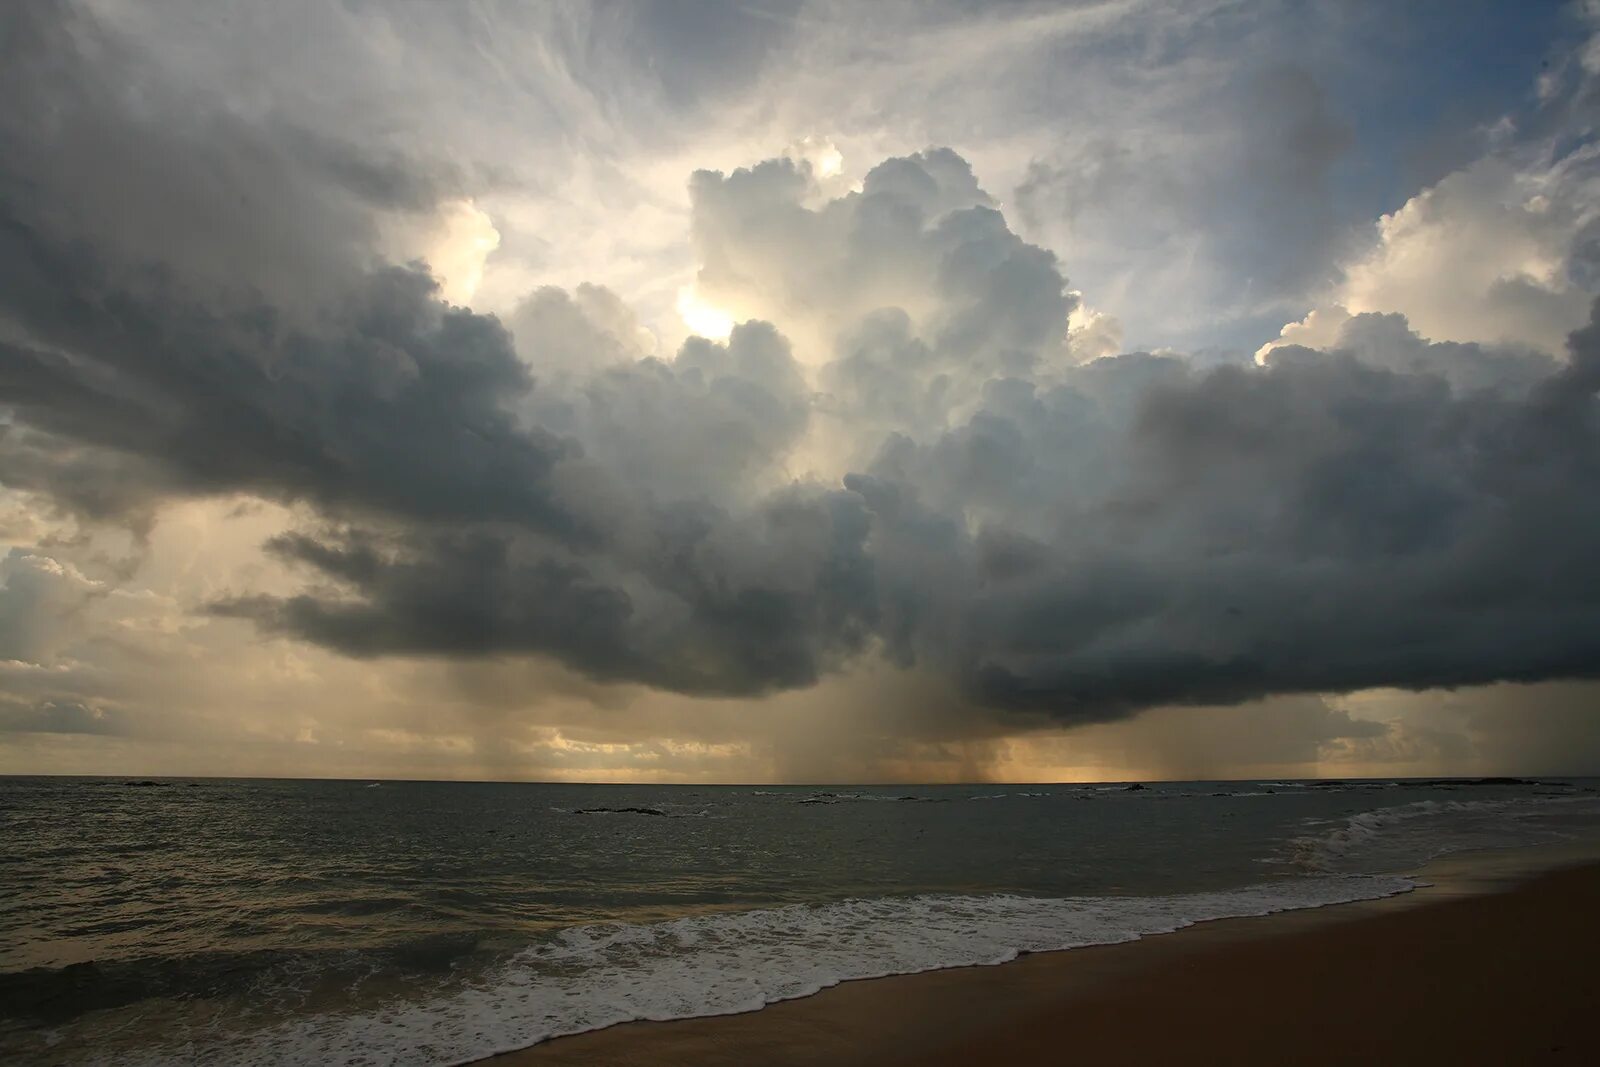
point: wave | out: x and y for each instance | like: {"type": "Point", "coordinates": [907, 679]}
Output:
{"type": "Point", "coordinates": [1238, 789]}
{"type": "Point", "coordinates": [904, 798]}
{"type": "Point", "coordinates": [867, 798]}
{"type": "Point", "coordinates": [1412, 834]}
{"type": "Point", "coordinates": [660, 813]}
{"type": "Point", "coordinates": [588, 977]}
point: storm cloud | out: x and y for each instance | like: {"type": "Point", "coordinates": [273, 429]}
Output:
{"type": "Point", "coordinates": [898, 453]}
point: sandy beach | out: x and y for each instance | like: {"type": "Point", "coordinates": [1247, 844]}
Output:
{"type": "Point", "coordinates": [1489, 964]}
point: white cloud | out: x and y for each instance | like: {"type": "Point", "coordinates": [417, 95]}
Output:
{"type": "Point", "coordinates": [1504, 250]}
{"type": "Point", "coordinates": [1482, 256]}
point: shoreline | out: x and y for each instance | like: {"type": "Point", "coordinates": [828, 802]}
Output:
{"type": "Point", "coordinates": [1040, 1006]}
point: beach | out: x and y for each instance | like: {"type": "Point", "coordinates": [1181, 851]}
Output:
{"type": "Point", "coordinates": [255, 923]}
{"type": "Point", "coordinates": [1490, 963]}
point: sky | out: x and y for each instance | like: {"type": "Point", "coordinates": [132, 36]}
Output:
{"type": "Point", "coordinates": [799, 391]}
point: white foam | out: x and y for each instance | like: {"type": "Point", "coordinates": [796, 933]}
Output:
{"type": "Point", "coordinates": [588, 977]}
{"type": "Point", "coordinates": [863, 798]}
{"type": "Point", "coordinates": [1411, 834]}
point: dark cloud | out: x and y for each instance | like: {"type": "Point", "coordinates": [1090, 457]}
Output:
{"type": "Point", "coordinates": [159, 335]}
{"type": "Point", "coordinates": [709, 604]}
{"type": "Point", "coordinates": [1322, 524]}
{"type": "Point", "coordinates": [105, 152]}
{"type": "Point", "coordinates": [1143, 534]}
{"type": "Point", "coordinates": [393, 401]}
{"type": "Point", "coordinates": [1076, 539]}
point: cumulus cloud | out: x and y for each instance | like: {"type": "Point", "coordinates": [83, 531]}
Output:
{"type": "Point", "coordinates": [1492, 253]}
{"type": "Point", "coordinates": [1502, 250]}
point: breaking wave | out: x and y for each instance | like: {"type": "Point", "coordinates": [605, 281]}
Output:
{"type": "Point", "coordinates": [588, 977]}
{"type": "Point", "coordinates": [1406, 836]}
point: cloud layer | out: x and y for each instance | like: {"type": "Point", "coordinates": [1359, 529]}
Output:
{"type": "Point", "coordinates": [903, 453]}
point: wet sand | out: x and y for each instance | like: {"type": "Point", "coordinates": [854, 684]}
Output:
{"type": "Point", "coordinates": [1494, 963]}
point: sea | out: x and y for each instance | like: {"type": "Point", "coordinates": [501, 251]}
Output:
{"type": "Point", "coordinates": [215, 921]}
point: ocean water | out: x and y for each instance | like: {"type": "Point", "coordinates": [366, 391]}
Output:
{"type": "Point", "coordinates": [215, 921]}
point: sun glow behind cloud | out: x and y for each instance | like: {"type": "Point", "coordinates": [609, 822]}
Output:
{"type": "Point", "coordinates": [702, 318]}
{"type": "Point", "coordinates": [464, 240]}
{"type": "Point", "coordinates": [819, 154]}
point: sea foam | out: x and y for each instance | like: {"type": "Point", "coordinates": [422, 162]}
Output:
{"type": "Point", "coordinates": [1408, 835]}
{"type": "Point", "coordinates": [587, 977]}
